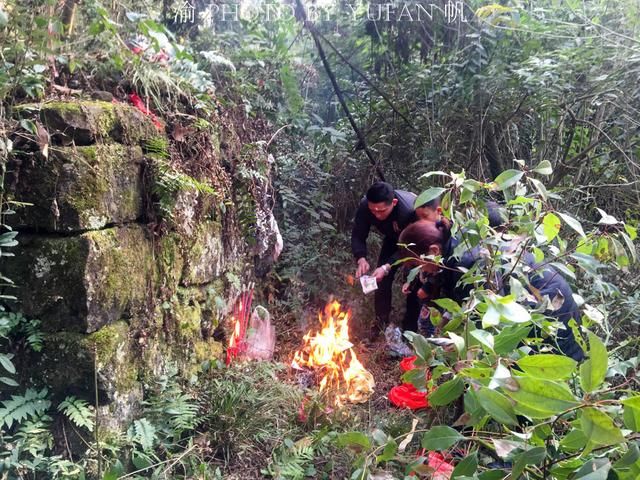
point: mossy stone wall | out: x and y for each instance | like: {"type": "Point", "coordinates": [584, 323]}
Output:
{"type": "Point", "coordinates": [120, 292]}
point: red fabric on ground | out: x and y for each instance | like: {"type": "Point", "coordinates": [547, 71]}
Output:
{"type": "Point", "coordinates": [137, 102]}
{"type": "Point", "coordinates": [406, 395]}
{"type": "Point", "coordinates": [406, 363]}
{"type": "Point", "coordinates": [443, 469]}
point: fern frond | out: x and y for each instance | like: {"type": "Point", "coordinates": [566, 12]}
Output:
{"type": "Point", "coordinates": [183, 411]}
{"type": "Point", "coordinates": [156, 146]}
{"type": "Point", "coordinates": [30, 405]}
{"type": "Point", "coordinates": [215, 59]}
{"type": "Point", "coordinates": [143, 433]}
{"type": "Point", "coordinates": [35, 437]}
{"type": "Point", "coordinates": [292, 463]}
{"type": "Point", "coordinates": [35, 337]}
{"type": "Point", "coordinates": [78, 411]}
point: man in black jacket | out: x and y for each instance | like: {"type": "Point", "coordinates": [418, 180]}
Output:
{"type": "Point", "coordinates": [389, 211]}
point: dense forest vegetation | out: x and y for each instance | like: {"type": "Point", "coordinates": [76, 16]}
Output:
{"type": "Point", "coordinates": [533, 104]}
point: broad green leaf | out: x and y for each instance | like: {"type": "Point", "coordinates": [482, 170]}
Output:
{"type": "Point", "coordinates": [473, 411]}
{"type": "Point", "coordinates": [539, 186]}
{"type": "Point", "coordinates": [447, 392]}
{"type": "Point", "coordinates": [493, 475]}
{"type": "Point", "coordinates": [466, 467]}
{"type": "Point", "coordinates": [504, 447]}
{"type": "Point", "coordinates": [563, 469]}
{"type": "Point", "coordinates": [6, 363]}
{"type": "Point", "coordinates": [533, 456]}
{"type": "Point", "coordinates": [448, 304]}
{"type": "Point", "coordinates": [629, 473]}
{"type": "Point", "coordinates": [551, 367]}
{"type": "Point", "coordinates": [593, 371]}
{"type": "Point", "coordinates": [509, 338]}
{"type": "Point", "coordinates": [514, 312]}
{"type": "Point", "coordinates": [354, 439]}
{"type": "Point", "coordinates": [417, 377]}
{"type": "Point", "coordinates": [458, 341]}
{"type": "Point", "coordinates": [484, 337]}
{"type": "Point", "coordinates": [606, 218]}
{"type": "Point", "coordinates": [472, 185]}
{"type": "Point", "coordinates": [388, 452]}
{"type": "Point", "coordinates": [4, 18]}
{"type": "Point", "coordinates": [544, 168]}
{"type": "Point", "coordinates": [413, 274]}
{"type": "Point", "coordinates": [358, 474]}
{"type": "Point", "coordinates": [540, 398]}
{"type": "Point", "coordinates": [501, 377]}
{"type": "Point", "coordinates": [440, 438]}
{"type": "Point", "coordinates": [550, 226]}
{"type": "Point", "coordinates": [497, 405]}
{"type": "Point", "coordinates": [422, 347]}
{"type": "Point", "coordinates": [595, 469]}
{"type": "Point", "coordinates": [9, 381]}
{"type": "Point", "coordinates": [465, 196]}
{"type": "Point", "coordinates": [428, 195]}
{"type": "Point", "coordinates": [115, 472]}
{"type": "Point", "coordinates": [379, 437]}
{"type": "Point", "coordinates": [586, 247]}
{"type": "Point", "coordinates": [477, 373]}
{"type": "Point", "coordinates": [29, 126]}
{"type": "Point", "coordinates": [631, 231]}
{"type": "Point", "coordinates": [454, 323]}
{"type": "Point", "coordinates": [630, 246]}
{"type": "Point", "coordinates": [573, 441]}
{"type": "Point", "coordinates": [562, 268]}
{"type": "Point", "coordinates": [631, 413]}
{"type": "Point", "coordinates": [631, 457]}
{"type": "Point", "coordinates": [598, 427]}
{"type": "Point", "coordinates": [573, 223]}
{"type": "Point", "coordinates": [491, 317]}
{"type": "Point", "coordinates": [141, 460]}
{"type": "Point", "coordinates": [508, 178]}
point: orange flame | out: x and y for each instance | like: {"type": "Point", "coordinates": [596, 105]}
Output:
{"type": "Point", "coordinates": [330, 352]}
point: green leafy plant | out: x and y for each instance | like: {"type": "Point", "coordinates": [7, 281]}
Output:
{"type": "Point", "coordinates": [78, 411]}
{"type": "Point", "coordinates": [20, 407]}
{"type": "Point", "coordinates": [537, 412]}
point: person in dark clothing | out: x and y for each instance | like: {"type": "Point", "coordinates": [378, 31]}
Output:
{"type": "Point", "coordinates": [547, 281]}
{"type": "Point", "coordinates": [434, 239]}
{"type": "Point", "coordinates": [424, 286]}
{"type": "Point", "coordinates": [428, 238]}
{"type": "Point", "coordinates": [389, 211]}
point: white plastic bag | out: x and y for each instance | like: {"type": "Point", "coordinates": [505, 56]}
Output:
{"type": "Point", "coordinates": [261, 335]}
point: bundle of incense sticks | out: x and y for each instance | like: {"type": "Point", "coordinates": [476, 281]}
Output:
{"type": "Point", "coordinates": [240, 319]}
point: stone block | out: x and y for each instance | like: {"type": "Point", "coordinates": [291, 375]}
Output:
{"type": "Point", "coordinates": [83, 282]}
{"type": "Point", "coordinates": [205, 256]}
{"type": "Point", "coordinates": [88, 121]}
{"type": "Point", "coordinates": [106, 357]}
{"type": "Point", "coordinates": [77, 188]}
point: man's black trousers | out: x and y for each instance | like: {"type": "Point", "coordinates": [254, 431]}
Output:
{"type": "Point", "coordinates": [383, 294]}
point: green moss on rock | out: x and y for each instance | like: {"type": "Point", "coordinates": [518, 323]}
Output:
{"type": "Point", "coordinates": [188, 321]}
{"type": "Point", "coordinates": [86, 122]}
{"type": "Point", "coordinates": [205, 256]}
{"type": "Point", "coordinates": [106, 355]}
{"type": "Point", "coordinates": [81, 283]}
{"type": "Point", "coordinates": [207, 350]}
{"type": "Point", "coordinates": [122, 272]}
{"type": "Point", "coordinates": [170, 261]}
{"type": "Point", "coordinates": [78, 188]}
